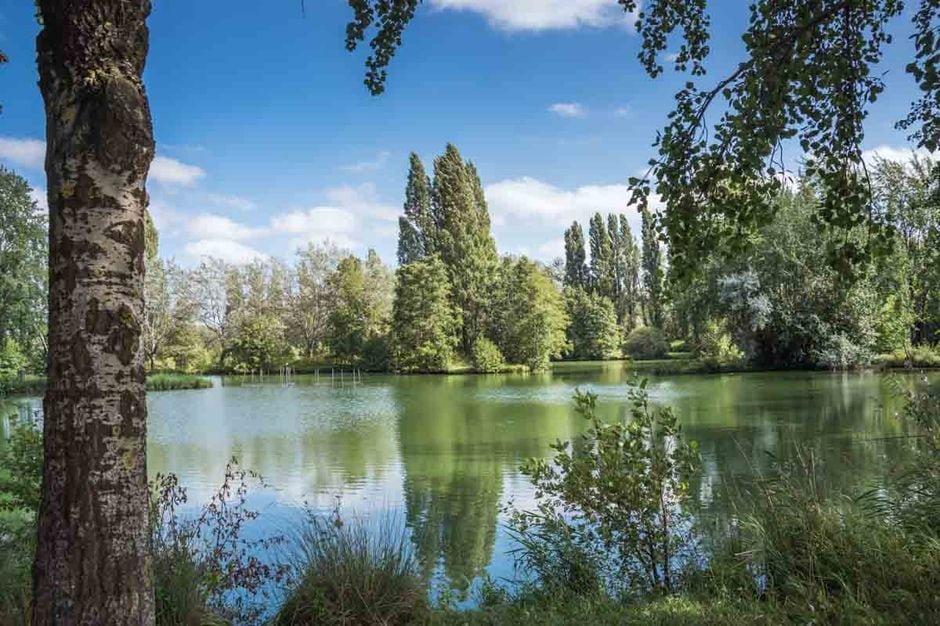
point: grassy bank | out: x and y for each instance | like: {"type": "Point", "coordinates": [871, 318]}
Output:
{"type": "Point", "coordinates": [33, 385]}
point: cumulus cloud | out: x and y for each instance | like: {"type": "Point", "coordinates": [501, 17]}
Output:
{"type": "Point", "coordinates": [172, 172]}
{"type": "Point", "coordinates": [377, 163]}
{"type": "Point", "coordinates": [530, 198]}
{"type": "Point", "coordinates": [537, 15]}
{"type": "Point", "coordinates": [24, 152]}
{"type": "Point", "coordinates": [893, 153]}
{"type": "Point", "coordinates": [225, 249]}
{"type": "Point", "coordinates": [209, 226]}
{"type": "Point", "coordinates": [568, 109]}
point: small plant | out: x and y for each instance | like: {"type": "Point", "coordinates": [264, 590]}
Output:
{"type": "Point", "coordinates": [205, 571]}
{"type": "Point", "coordinates": [611, 508]}
{"type": "Point", "coordinates": [487, 358]}
{"type": "Point", "coordinates": [646, 343]}
{"type": "Point", "coordinates": [352, 575]}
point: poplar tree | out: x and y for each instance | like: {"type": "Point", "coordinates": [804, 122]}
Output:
{"type": "Point", "coordinates": [602, 278]}
{"type": "Point", "coordinates": [652, 273]}
{"type": "Point", "coordinates": [424, 323]}
{"type": "Point", "coordinates": [463, 240]}
{"type": "Point", "coordinates": [576, 270]}
{"type": "Point", "coordinates": [416, 228]}
{"type": "Point", "coordinates": [629, 305]}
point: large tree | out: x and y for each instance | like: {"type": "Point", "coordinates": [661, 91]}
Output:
{"type": "Point", "coordinates": [602, 257]}
{"type": "Point", "coordinates": [463, 240]}
{"type": "Point", "coordinates": [653, 274]}
{"type": "Point", "coordinates": [23, 265]}
{"type": "Point", "coordinates": [576, 270]}
{"type": "Point", "coordinates": [416, 226]}
{"type": "Point", "coordinates": [424, 323]}
{"type": "Point", "coordinates": [92, 560]}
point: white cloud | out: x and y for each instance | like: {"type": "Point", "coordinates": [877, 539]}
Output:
{"type": "Point", "coordinates": [25, 152]}
{"type": "Point", "coordinates": [231, 202]}
{"type": "Point", "coordinates": [623, 111]}
{"type": "Point", "coordinates": [363, 200]}
{"type": "Point", "coordinates": [172, 172]}
{"type": "Point", "coordinates": [227, 250]}
{"type": "Point", "coordinates": [568, 109]}
{"type": "Point", "coordinates": [528, 198]}
{"type": "Point", "coordinates": [892, 153]}
{"type": "Point", "coordinates": [536, 15]}
{"type": "Point", "coordinates": [209, 226]}
{"type": "Point", "coordinates": [368, 166]}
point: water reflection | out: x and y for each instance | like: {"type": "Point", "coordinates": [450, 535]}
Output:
{"type": "Point", "coordinates": [441, 454]}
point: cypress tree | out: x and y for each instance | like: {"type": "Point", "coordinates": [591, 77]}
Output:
{"type": "Point", "coordinates": [576, 271]}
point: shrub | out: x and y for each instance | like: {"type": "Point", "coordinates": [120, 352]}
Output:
{"type": "Point", "coordinates": [350, 575]}
{"type": "Point", "coordinates": [841, 353]}
{"type": "Point", "coordinates": [487, 357]}
{"type": "Point", "coordinates": [614, 512]}
{"type": "Point", "coordinates": [716, 348]}
{"type": "Point", "coordinates": [12, 364]}
{"type": "Point", "coordinates": [205, 571]}
{"type": "Point", "coordinates": [646, 343]}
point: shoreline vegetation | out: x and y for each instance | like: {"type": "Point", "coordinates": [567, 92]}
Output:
{"type": "Point", "coordinates": [611, 538]}
{"type": "Point", "coordinates": [675, 364]}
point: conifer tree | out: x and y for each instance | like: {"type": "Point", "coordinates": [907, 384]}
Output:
{"type": "Point", "coordinates": [576, 271]}
{"type": "Point", "coordinates": [424, 323]}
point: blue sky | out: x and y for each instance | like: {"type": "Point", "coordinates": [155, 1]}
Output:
{"type": "Point", "coordinates": [266, 137]}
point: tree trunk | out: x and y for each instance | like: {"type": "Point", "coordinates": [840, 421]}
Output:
{"type": "Point", "coordinates": [92, 561]}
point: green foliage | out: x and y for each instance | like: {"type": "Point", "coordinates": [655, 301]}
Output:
{"type": "Point", "coordinates": [830, 563]}
{"type": "Point", "coordinates": [165, 381]}
{"type": "Point", "coordinates": [576, 270]}
{"type": "Point", "coordinates": [646, 343]}
{"type": "Point", "coordinates": [12, 364]}
{"type": "Point", "coordinates": [353, 575]}
{"type": "Point", "coordinates": [23, 267]}
{"type": "Point", "coordinates": [916, 357]}
{"type": "Point", "coordinates": [654, 310]}
{"type": "Point", "coordinates": [593, 332]}
{"type": "Point", "coordinates": [258, 342]}
{"type": "Point", "coordinates": [529, 317]}
{"type": "Point", "coordinates": [21, 467]}
{"type": "Point", "coordinates": [416, 231]}
{"type": "Point", "coordinates": [716, 348]}
{"type": "Point", "coordinates": [424, 323]}
{"type": "Point", "coordinates": [602, 256]}
{"type": "Point", "coordinates": [487, 358]}
{"type": "Point", "coordinates": [462, 239]}
{"type": "Point", "coordinates": [616, 499]}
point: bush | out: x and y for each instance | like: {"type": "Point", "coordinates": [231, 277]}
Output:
{"type": "Point", "coordinates": [487, 358]}
{"type": "Point", "coordinates": [12, 365]}
{"type": "Point", "coordinates": [841, 353]}
{"type": "Point", "coordinates": [204, 570]}
{"type": "Point", "coordinates": [716, 348]}
{"type": "Point", "coordinates": [913, 357]}
{"type": "Point", "coordinates": [612, 515]}
{"type": "Point", "coordinates": [646, 343]}
{"type": "Point", "coordinates": [349, 575]}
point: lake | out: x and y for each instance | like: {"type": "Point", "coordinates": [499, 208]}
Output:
{"type": "Point", "coordinates": [440, 454]}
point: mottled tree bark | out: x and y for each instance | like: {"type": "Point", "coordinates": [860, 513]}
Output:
{"type": "Point", "coordinates": [92, 562]}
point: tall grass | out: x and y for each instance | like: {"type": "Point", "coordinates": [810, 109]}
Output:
{"type": "Point", "coordinates": [176, 382]}
{"type": "Point", "coordinates": [352, 574]}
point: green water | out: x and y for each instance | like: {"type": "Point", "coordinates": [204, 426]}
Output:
{"type": "Point", "coordinates": [440, 454]}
